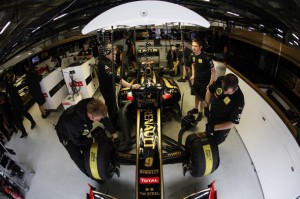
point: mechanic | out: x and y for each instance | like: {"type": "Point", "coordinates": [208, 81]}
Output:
{"type": "Point", "coordinates": [17, 108]}
{"type": "Point", "coordinates": [33, 82]}
{"type": "Point", "coordinates": [85, 53]}
{"type": "Point", "coordinates": [172, 58]}
{"type": "Point", "coordinates": [186, 69]}
{"type": "Point", "coordinates": [76, 123]}
{"type": "Point", "coordinates": [105, 76]}
{"type": "Point", "coordinates": [227, 103]}
{"type": "Point", "coordinates": [131, 50]}
{"type": "Point", "coordinates": [203, 74]}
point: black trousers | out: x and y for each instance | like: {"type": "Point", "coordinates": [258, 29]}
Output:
{"type": "Point", "coordinates": [75, 153]}
{"type": "Point", "coordinates": [111, 103]}
{"type": "Point", "coordinates": [18, 113]}
{"type": "Point", "coordinates": [2, 127]}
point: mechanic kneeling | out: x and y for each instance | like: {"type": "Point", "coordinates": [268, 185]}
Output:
{"type": "Point", "coordinates": [75, 124]}
{"type": "Point", "coordinates": [227, 103]}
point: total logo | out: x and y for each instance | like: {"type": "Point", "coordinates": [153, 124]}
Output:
{"type": "Point", "coordinates": [152, 180]}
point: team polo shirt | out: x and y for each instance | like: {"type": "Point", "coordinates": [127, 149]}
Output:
{"type": "Point", "coordinates": [203, 65]}
{"type": "Point", "coordinates": [225, 108]}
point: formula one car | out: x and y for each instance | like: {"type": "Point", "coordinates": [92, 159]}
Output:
{"type": "Point", "coordinates": [199, 156]}
{"type": "Point", "coordinates": [170, 94]}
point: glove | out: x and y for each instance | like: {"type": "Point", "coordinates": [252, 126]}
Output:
{"type": "Point", "coordinates": [206, 112]}
{"type": "Point", "coordinates": [209, 127]}
{"type": "Point", "coordinates": [117, 142]}
{"type": "Point", "coordinates": [98, 131]}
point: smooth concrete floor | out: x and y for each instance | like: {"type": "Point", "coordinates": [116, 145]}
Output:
{"type": "Point", "coordinates": [56, 176]}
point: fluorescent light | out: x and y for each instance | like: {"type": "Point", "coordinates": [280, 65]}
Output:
{"type": "Point", "coordinates": [75, 27]}
{"type": "Point", "coordinates": [250, 28]}
{"type": "Point", "coordinates": [291, 43]}
{"type": "Point", "coordinates": [232, 13]}
{"type": "Point", "coordinates": [296, 43]}
{"type": "Point", "coordinates": [280, 36]}
{"type": "Point", "coordinates": [36, 29]}
{"type": "Point", "coordinates": [279, 30]}
{"type": "Point", "coordinates": [7, 24]}
{"type": "Point", "coordinates": [60, 16]}
{"type": "Point", "coordinates": [261, 25]}
{"type": "Point", "coordinates": [295, 36]}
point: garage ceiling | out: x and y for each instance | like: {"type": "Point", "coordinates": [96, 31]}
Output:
{"type": "Point", "coordinates": [32, 22]}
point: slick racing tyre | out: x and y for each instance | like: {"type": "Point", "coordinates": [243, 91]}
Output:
{"type": "Point", "coordinates": [203, 155]}
{"type": "Point", "coordinates": [126, 127]}
{"type": "Point", "coordinates": [97, 159]}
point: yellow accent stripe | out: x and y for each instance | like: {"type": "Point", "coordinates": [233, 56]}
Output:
{"type": "Point", "coordinates": [142, 79]}
{"type": "Point", "coordinates": [160, 153]}
{"type": "Point", "coordinates": [154, 78]}
{"type": "Point", "coordinates": [208, 159]}
{"type": "Point", "coordinates": [167, 83]}
{"type": "Point", "coordinates": [138, 117]}
{"type": "Point", "coordinates": [93, 161]}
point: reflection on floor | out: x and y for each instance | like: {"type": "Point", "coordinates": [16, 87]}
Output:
{"type": "Point", "coordinates": [56, 176]}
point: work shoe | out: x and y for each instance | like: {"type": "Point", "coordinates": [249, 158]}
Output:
{"type": "Point", "coordinates": [24, 135]}
{"type": "Point", "coordinates": [46, 115]}
{"type": "Point", "coordinates": [193, 111]}
{"type": "Point", "coordinates": [181, 80]}
{"type": "Point", "coordinates": [33, 125]}
{"type": "Point", "coordinates": [199, 117]}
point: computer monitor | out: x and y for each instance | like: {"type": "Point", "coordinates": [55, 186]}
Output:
{"type": "Point", "coordinates": [35, 59]}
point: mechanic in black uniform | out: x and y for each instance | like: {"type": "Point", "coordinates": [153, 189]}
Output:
{"type": "Point", "coordinates": [107, 89]}
{"type": "Point", "coordinates": [171, 58]}
{"type": "Point", "coordinates": [130, 50]}
{"type": "Point", "coordinates": [17, 108]}
{"type": "Point", "coordinates": [33, 82]}
{"type": "Point", "coordinates": [85, 53]}
{"type": "Point", "coordinates": [76, 123]}
{"type": "Point", "coordinates": [183, 60]}
{"type": "Point", "coordinates": [226, 105]}
{"type": "Point", "coordinates": [203, 74]}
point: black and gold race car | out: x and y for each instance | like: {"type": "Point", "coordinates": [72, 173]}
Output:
{"type": "Point", "coordinates": [147, 147]}
{"type": "Point", "coordinates": [149, 78]}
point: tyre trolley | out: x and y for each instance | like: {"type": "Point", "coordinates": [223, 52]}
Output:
{"type": "Point", "coordinates": [12, 172]}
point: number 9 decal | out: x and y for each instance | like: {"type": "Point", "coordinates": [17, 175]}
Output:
{"type": "Point", "coordinates": [148, 162]}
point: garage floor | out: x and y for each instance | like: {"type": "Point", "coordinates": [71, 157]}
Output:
{"type": "Point", "coordinates": [56, 176]}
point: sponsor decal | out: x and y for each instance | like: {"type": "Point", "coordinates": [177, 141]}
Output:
{"type": "Point", "coordinates": [75, 84]}
{"type": "Point", "coordinates": [149, 172]}
{"type": "Point", "coordinates": [226, 100]}
{"type": "Point", "coordinates": [176, 153]}
{"type": "Point", "coordinates": [219, 91]}
{"type": "Point", "coordinates": [152, 180]}
{"type": "Point", "coordinates": [238, 118]}
{"type": "Point", "coordinates": [149, 141]}
{"type": "Point", "coordinates": [124, 155]}
{"type": "Point", "coordinates": [149, 193]}
{"type": "Point", "coordinates": [200, 61]}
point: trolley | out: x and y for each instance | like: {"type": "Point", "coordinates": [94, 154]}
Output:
{"type": "Point", "coordinates": [11, 171]}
